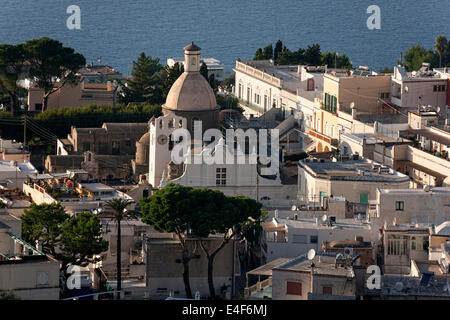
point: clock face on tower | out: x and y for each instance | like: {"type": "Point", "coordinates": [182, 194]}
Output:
{"type": "Point", "coordinates": [162, 139]}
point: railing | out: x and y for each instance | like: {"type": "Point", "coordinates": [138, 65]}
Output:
{"type": "Point", "coordinates": [261, 285]}
{"type": "Point", "coordinates": [97, 295]}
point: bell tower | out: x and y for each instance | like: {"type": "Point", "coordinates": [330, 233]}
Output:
{"type": "Point", "coordinates": [192, 58]}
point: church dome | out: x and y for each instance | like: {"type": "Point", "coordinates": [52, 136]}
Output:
{"type": "Point", "coordinates": [191, 92]}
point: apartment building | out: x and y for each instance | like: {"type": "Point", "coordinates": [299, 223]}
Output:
{"type": "Point", "coordinates": [355, 180]}
{"type": "Point", "coordinates": [422, 87]}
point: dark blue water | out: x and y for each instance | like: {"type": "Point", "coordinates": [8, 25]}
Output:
{"type": "Point", "coordinates": [118, 30]}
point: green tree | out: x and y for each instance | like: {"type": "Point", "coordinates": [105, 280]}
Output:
{"type": "Point", "coordinates": [71, 240]}
{"type": "Point", "coordinates": [43, 222]}
{"type": "Point", "coordinates": [268, 52]}
{"type": "Point", "coordinates": [334, 60]}
{"type": "Point", "coordinates": [171, 75]}
{"type": "Point", "coordinates": [48, 59]}
{"type": "Point", "coordinates": [213, 82]}
{"type": "Point", "coordinates": [228, 102]}
{"type": "Point", "coordinates": [441, 47]}
{"type": "Point", "coordinates": [12, 59]}
{"type": "Point", "coordinates": [118, 207]}
{"type": "Point", "coordinates": [204, 71]}
{"type": "Point", "coordinates": [278, 49]}
{"type": "Point", "coordinates": [167, 210]}
{"type": "Point", "coordinates": [81, 240]}
{"type": "Point", "coordinates": [313, 55]}
{"type": "Point", "coordinates": [144, 86]}
{"type": "Point", "coordinates": [216, 213]}
{"type": "Point", "coordinates": [198, 213]}
{"type": "Point", "coordinates": [259, 54]}
{"type": "Point", "coordinates": [416, 55]}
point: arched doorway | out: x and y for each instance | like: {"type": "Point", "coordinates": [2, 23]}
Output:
{"type": "Point", "coordinates": [319, 147]}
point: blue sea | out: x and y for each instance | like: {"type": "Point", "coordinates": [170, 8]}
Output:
{"type": "Point", "coordinates": [119, 30]}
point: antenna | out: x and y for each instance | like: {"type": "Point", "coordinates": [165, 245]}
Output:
{"type": "Point", "coordinates": [311, 254]}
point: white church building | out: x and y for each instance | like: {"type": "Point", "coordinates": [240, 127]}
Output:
{"type": "Point", "coordinates": [196, 100]}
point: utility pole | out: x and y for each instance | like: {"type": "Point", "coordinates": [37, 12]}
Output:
{"type": "Point", "coordinates": [25, 132]}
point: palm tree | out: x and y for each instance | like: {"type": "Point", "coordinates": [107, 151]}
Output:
{"type": "Point", "coordinates": [441, 47]}
{"type": "Point", "coordinates": [118, 206]}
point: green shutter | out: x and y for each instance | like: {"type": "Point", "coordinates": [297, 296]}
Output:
{"type": "Point", "coordinates": [364, 198]}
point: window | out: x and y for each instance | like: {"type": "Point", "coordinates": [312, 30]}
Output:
{"type": "Point", "coordinates": [345, 150]}
{"type": "Point", "coordinates": [364, 198]}
{"type": "Point", "coordinates": [294, 288]}
{"type": "Point", "coordinates": [413, 243]}
{"type": "Point", "coordinates": [399, 205]}
{"type": "Point", "coordinates": [384, 95]}
{"type": "Point", "coordinates": [265, 103]}
{"type": "Point", "coordinates": [299, 238]}
{"type": "Point", "coordinates": [313, 239]}
{"type": "Point", "coordinates": [240, 91]}
{"type": "Point", "coordinates": [397, 245]}
{"type": "Point", "coordinates": [221, 176]}
{"type": "Point", "coordinates": [327, 290]}
{"type": "Point", "coordinates": [116, 147]}
{"type": "Point", "coordinates": [310, 85]}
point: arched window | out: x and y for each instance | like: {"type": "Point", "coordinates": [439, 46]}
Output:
{"type": "Point", "coordinates": [310, 85]}
{"type": "Point", "coordinates": [171, 123]}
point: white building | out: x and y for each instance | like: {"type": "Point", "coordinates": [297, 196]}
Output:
{"type": "Point", "coordinates": [286, 238]}
{"type": "Point", "coordinates": [261, 86]}
{"type": "Point", "coordinates": [422, 87]}
{"type": "Point", "coordinates": [412, 206]}
{"type": "Point", "coordinates": [13, 174]}
{"type": "Point", "coordinates": [214, 66]}
{"type": "Point", "coordinates": [25, 270]}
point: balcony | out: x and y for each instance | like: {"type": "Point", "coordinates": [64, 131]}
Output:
{"type": "Point", "coordinates": [317, 135]}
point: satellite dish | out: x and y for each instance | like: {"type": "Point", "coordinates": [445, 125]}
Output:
{"type": "Point", "coordinates": [352, 105]}
{"type": "Point", "coordinates": [324, 218]}
{"type": "Point", "coordinates": [294, 208]}
{"type": "Point", "coordinates": [311, 254]}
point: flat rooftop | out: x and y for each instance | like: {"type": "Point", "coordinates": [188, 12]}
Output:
{"type": "Point", "coordinates": [445, 191]}
{"type": "Point", "coordinates": [324, 264]}
{"type": "Point", "coordinates": [352, 170]}
{"type": "Point", "coordinates": [12, 166]}
{"type": "Point", "coordinates": [97, 187]}
{"type": "Point", "coordinates": [310, 223]}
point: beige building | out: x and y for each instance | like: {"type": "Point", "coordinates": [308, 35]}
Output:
{"type": "Point", "coordinates": [401, 244]}
{"type": "Point", "coordinates": [355, 91]}
{"type": "Point", "coordinates": [411, 206]}
{"type": "Point", "coordinates": [82, 94]}
{"type": "Point", "coordinates": [328, 276]}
